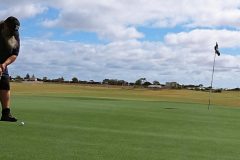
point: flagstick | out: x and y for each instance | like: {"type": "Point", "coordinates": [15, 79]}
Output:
{"type": "Point", "coordinates": [210, 91]}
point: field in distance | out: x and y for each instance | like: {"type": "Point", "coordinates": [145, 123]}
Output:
{"type": "Point", "coordinates": [226, 98]}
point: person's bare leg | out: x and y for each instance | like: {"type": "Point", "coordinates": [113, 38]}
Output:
{"type": "Point", "coordinates": [5, 98]}
{"type": "Point", "coordinates": [5, 101]}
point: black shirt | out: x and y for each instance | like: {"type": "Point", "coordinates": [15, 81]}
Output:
{"type": "Point", "coordinates": [5, 51]}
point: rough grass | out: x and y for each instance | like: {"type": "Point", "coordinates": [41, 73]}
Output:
{"type": "Point", "coordinates": [225, 98]}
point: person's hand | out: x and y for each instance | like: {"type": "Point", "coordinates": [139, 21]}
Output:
{"type": "Point", "coordinates": [3, 66]}
{"type": "Point", "coordinates": [1, 71]}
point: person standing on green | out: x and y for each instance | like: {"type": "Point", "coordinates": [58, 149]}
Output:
{"type": "Point", "coordinates": [9, 50]}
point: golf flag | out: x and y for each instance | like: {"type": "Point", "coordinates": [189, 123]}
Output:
{"type": "Point", "coordinates": [216, 50]}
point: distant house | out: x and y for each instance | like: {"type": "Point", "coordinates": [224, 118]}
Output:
{"type": "Point", "coordinates": [194, 87]}
{"type": "Point", "coordinates": [173, 85]}
{"type": "Point", "coordinates": [28, 78]}
{"type": "Point", "coordinates": [155, 86]}
{"type": "Point", "coordinates": [33, 79]}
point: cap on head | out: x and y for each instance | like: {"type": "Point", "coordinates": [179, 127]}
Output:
{"type": "Point", "coordinates": [13, 23]}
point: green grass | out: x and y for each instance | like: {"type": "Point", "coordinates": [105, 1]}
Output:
{"type": "Point", "coordinates": [99, 123]}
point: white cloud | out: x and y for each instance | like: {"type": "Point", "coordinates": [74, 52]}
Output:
{"type": "Point", "coordinates": [22, 10]}
{"type": "Point", "coordinates": [185, 57]}
{"type": "Point", "coordinates": [204, 38]}
{"type": "Point", "coordinates": [118, 20]}
{"type": "Point", "coordinates": [128, 60]}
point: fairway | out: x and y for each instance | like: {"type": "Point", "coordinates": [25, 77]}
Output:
{"type": "Point", "coordinates": [104, 123]}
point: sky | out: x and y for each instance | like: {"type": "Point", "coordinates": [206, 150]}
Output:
{"type": "Point", "coordinates": [167, 41]}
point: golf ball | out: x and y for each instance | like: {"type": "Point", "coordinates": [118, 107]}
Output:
{"type": "Point", "coordinates": [22, 123]}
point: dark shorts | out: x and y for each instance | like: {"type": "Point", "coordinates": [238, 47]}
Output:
{"type": "Point", "coordinates": [4, 83]}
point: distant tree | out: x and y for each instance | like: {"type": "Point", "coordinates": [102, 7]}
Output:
{"type": "Point", "coordinates": [114, 82]}
{"type": "Point", "coordinates": [27, 77]}
{"type": "Point", "coordinates": [58, 80]}
{"type": "Point", "coordinates": [61, 79]}
{"type": "Point", "coordinates": [18, 78]}
{"type": "Point", "coordinates": [45, 79]}
{"type": "Point", "coordinates": [74, 80]}
{"type": "Point", "coordinates": [93, 82]}
{"type": "Point", "coordinates": [122, 82]}
{"type": "Point", "coordinates": [105, 81]}
{"type": "Point", "coordinates": [82, 82]}
{"type": "Point", "coordinates": [235, 89]}
{"type": "Point", "coordinates": [140, 81]}
{"type": "Point", "coordinates": [156, 83]}
{"type": "Point", "coordinates": [145, 84]}
{"type": "Point", "coordinates": [131, 84]}
{"type": "Point", "coordinates": [33, 78]}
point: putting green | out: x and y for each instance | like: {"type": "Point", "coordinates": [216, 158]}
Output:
{"type": "Point", "coordinates": [94, 123]}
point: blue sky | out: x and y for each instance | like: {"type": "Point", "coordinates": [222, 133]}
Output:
{"type": "Point", "coordinates": [155, 39]}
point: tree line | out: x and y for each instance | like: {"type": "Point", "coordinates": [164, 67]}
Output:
{"type": "Point", "coordinates": [140, 81]}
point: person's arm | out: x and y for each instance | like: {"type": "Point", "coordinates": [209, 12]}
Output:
{"type": "Point", "coordinates": [9, 61]}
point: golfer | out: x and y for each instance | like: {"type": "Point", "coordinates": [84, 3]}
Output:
{"type": "Point", "coordinates": [9, 49]}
